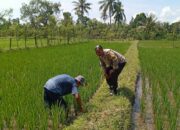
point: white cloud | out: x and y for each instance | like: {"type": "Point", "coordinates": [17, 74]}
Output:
{"type": "Point", "coordinates": [166, 11]}
{"type": "Point", "coordinates": [152, 13]}
{"type": "Point", "coordinates": [168, 14]}
{"type": "Point", "coordinates": [177, 19]}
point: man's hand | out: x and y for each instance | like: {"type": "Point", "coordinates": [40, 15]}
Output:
{"type": "Point", "coordinates": [106, 75]}
{"type": "Point", "coordinates": [81, 109]}
{"type": "Point", "coordinates": [110, 72]}
{"type": "Point", "coordinates": [78, 99]}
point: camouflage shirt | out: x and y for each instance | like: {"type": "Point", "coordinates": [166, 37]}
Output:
{"type": "Point", "coordinates": [111, 58]}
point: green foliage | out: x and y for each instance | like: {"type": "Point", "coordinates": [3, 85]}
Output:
{"type": "Point", "coordinates": [39, 12]}
{"type": "Point", "coordinates": [5, 13]}
{"type": "Point", "coordinates": [81, 7]}
{"type": "Point", "coordinates": [107, 6]}
{"type": "Point", "coordinates": [139, 20]}
{"type": "Point", "coordinates": [41, 20]}
{"type": "Point", "coordinates": [118, 13]}
{"type": "Point", "coordinates": [68, 27]}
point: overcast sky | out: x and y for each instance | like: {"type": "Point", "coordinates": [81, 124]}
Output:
{"type": "Point", "coordinates": [165, 10]}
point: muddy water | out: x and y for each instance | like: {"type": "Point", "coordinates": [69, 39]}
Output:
{"type": "Point", "coordinates": [137, 122]}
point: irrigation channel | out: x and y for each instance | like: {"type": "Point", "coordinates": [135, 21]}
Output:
{"type": "Point", "coordinates": [143, 120]}
{"type": "Point", "coordinates": [107, 112]}
{"type": "Point", "coordinates": [136, 114]}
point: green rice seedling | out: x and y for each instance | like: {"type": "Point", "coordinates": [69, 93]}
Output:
{"type": "Point", "coordinates": [160, 63]}
{"type": "Point", "coordinates": [25, 72]}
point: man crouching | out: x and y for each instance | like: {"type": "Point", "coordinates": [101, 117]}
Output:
{"type": "Point", "coordinates": [61, 85]}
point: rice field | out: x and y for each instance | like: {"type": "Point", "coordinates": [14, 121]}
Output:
{"type": "Point", "coordinates": [160, 44]}
{"type": "Point", "coordinates": [160, 63]}
{"type": "Point", "coordinates": [24, 73]}
{"type": "Point", "coordinates": [8, 43]}
{"type": "Point", "coordinates": [20, 43]}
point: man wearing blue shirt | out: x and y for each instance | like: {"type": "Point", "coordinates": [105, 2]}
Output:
{"type": "Point", "coordinates": [61, 85]}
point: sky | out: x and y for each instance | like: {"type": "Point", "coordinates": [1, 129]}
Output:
{"type": "Point", "coordinates": [164, 10]}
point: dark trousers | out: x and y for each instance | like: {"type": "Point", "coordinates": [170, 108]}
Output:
{"type": "Point", "coordinates": [51, 99]}
{"type": "Point", "coordinates": [112, 80]}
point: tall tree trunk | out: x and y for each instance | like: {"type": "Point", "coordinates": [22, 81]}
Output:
{"type": "Point", "coordinates": [59, 41]}
{"type": "Point", "coordinates": [68, 38]}
{"type": "Point", "coordinates": [17, 38]}
{"type": "Point", "coordinates": [46, 35]}
{"type": "Point", "coordinates": [10, 43]}
{"type": "Point", "coordinates": [110, 18]}
{"type": "Point", "coordinates": [110, 14]}
{"type": "Point", "coordinates": [25, 36]}
{"type": "Point", "coordinates": [41, 42]}
{"type": "Point", "coordinates": [35, 40]}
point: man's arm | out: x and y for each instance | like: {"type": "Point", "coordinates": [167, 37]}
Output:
{"type": "Point", "coordinates": [103, 65]}
{"type": "Point", "coordinates": [78, 100]}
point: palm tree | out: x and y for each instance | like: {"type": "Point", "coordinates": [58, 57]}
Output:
{"type": "Point", "coordinates": [107, 5]}
{"type": "Point", "coordinates": [81, 7]}
{"type": "Point", "coordinates": [104, 16]}
{"type": "Point", "coordinates": [150, 25]}
{"type": "Point", "coordinates": [118, 13]}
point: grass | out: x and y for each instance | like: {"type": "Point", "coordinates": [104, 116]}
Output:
{"type": "Point", "coordinates": [30, 42]}
{"type": "Point", "coordinates": [105, 112]}
{"type": "Point", "coordinates": [5, 43]}
{"type": "Point", "coordinates": [160, 44]}
{"type": "Point", "coordinates": [161, 66]}
{"type": "Point", "coordinates": [25, 72]}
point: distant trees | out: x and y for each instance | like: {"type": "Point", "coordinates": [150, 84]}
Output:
{"type": "Point", "coordinates": [107, 6]}
{"type": "Point", "coordinates": [5, 13]}
{"type": "Point", "coordinates": [175, 30]}
{"type": "Point", "coordinates": [39, 12]}
{"type": "Point", "coordinates": [41, 15]}
{"type": "Point", "coordinates": [41, 22]}
{"type": "Point", "coordinates": [150, 27]}
{"type": "Point", "coordinates": [81, 7]}
{"type": "Point", "coordinates": [68, 27]}
{"type": "Point", "coordinates": [139, 20]}
{"type": "Point", "coordinates": [144, 26]}
{"type": "Point", "coordinates": [5, 21]}
{"type": "Point", "coordinates": [115, 10]}
{"type": "Point", "coordinates": [118, 13]}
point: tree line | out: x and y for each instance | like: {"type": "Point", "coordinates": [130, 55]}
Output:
{"type": "Point", "coordinates": [41, 19]}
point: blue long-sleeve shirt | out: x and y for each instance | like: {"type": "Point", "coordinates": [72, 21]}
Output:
{"type": "Point", "coordinates": [62, 84]}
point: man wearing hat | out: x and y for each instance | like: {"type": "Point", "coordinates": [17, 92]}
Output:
{"type": "Point", "coordinates": [61, 85]}
{"type": "Point", "coordinates": [112, 63]}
